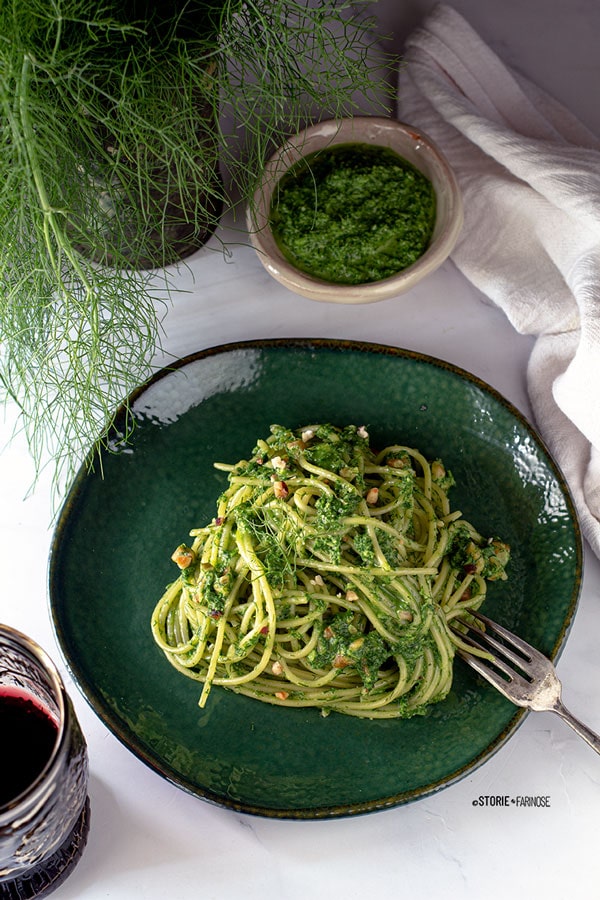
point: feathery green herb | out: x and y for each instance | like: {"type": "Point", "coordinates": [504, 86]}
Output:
{"type": "Point", "coordinates": [109, 111]}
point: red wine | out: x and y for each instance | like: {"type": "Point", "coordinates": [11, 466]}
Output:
{"type": "Point", "coordinates": [28, 736]}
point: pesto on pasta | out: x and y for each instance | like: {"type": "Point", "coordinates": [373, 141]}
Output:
{"type": "Point", "coordinates": [328, 578]}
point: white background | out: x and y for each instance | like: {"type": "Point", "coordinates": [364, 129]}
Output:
{"type": "Point", "coordinates": [149, 840]}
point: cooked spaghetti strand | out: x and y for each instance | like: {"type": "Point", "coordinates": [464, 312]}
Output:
{"type": "Point", "coordinates": [328, 578]}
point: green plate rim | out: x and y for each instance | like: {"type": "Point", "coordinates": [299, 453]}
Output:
{"type": "Point", "coordinates": [124, 734]}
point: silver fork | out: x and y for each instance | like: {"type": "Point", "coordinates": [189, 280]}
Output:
{"type": "Point", "coordinates": [536, 686]}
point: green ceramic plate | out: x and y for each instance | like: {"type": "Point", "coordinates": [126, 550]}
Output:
{"type": "Point", "coordinates": [110, 562]}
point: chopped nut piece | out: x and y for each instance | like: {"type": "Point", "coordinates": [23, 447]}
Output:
{"type": "Point", "coordinates": [328, 633]}
{"type": "Point", "coordinates": [307, 434]}
{"type": "Point", "coordinates": [404, 615]}
{"type": "Point", "coordinates": [475, 557]}
{"type": "Point", "coordinates": [362, 432]}
{"type": "Point", "coordinates": [340, 661]}
{"type": "Point", "coordinates": [396, 463]}
{"type": "Point", "coordinates": [184, 556]}
{"type": "Point", "coordinates": [499, 559]}
{"type": "Point", "coordinates": [372, 496]}
{"type": "Point", "coordinates": [282, 695]}
{"type": "Point", "coordinates": [280, 489]}
{"type": "Point", "coordinates": [278, 463]}
{"type": "Point", "coordinates": [277, 668]}
{"type": "Point", "coordinates": [437, 470]}
{"type": "Point", "coordinates": [351, 596]}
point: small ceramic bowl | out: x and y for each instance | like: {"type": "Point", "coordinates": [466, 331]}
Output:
{"type": "Point", "coordinates": [406, 141]}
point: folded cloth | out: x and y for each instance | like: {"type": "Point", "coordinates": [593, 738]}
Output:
{"type": "Point", "coordinates": [529, 173]}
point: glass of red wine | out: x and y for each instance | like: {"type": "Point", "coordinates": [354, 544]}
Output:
{"type": "Point", "coordinates": [44, 806]}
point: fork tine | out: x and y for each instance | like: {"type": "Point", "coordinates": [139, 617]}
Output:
{"type": "Point", "coordinates": [526, 649]}
{"type": "Point", "coordinates": [484, 668]}
{"type": "Point", "coordinates": [540, 689]}
{"type": "Point", "coordinates": [507, 681]}
{"type": "Point", "coordinates": [485, 641]}
{"type": "Point", "coordinates": [488, 645]}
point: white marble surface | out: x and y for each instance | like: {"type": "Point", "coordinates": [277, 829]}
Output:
{"type": "Point", "coordinates": [149, 840]}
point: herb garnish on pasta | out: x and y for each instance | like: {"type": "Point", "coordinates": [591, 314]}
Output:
{"type": "Point", "coordinates": [328, 578]}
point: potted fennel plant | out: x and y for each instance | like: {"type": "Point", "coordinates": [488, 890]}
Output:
{"type": "Point", "coordinates": [111, 153]}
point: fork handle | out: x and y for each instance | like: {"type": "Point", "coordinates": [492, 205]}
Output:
{"type": "Point", "coordinates": [582, 730]}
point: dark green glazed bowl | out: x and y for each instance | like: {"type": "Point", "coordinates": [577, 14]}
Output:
{"type": "Point", "coordinates": [110, 562]}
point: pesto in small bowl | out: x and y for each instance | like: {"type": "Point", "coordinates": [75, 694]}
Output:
{"type": "Point", "coordinates": [355, 210]}
{"type": "Point", "coordinates": [353, 213]}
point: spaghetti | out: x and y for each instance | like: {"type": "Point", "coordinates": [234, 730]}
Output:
{"type": "Point", "coordinates": [328, 578]}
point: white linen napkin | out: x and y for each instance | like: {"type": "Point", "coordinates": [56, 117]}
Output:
{"type": "Point", "coordinates": [530, 179]}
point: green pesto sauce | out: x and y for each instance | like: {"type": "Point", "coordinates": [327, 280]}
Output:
{"type": "Point", "coordinates": [353, 214]}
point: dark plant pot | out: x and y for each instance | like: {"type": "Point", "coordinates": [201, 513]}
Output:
{"type": "Point", "coordinates": [148, 221]}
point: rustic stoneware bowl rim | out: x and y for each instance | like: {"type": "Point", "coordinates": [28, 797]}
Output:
{"type": "Point", "coordinates": [408, 141]}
